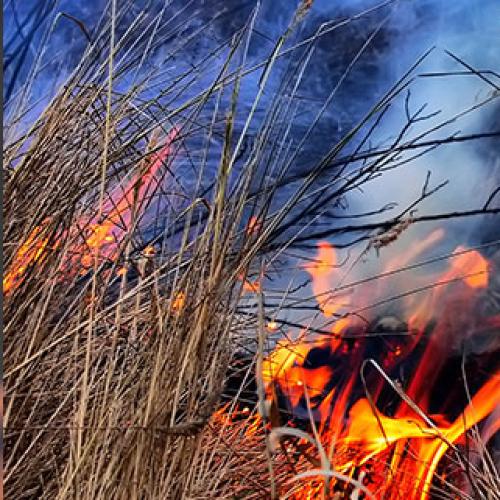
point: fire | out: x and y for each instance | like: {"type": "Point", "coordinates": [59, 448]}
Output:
{"type": "Point", "coordinates": [323, 271]}
{"type": "Point", "coordinates": [272, 326]}
{"type": "Point", "coordinates": [30, 252]}
{"type": "Point", "coordinates": [473, 264]}
{"type": "Point", "coordinates": [149, 251]}
{"type": "Point", "coordinates": [249, 285]}
{"type": "Point", "coordinates": [399, 450]}
{"type": "Point", "coordinates": [400, 446]}
{"type": "Point", "coordinates": [118, 210]}
{"type": "Point", "coordinates": [373, 433]}
{"type": "Point", "coordinates": [102, 238]}
{"type": "Point", "coordinates": [179, 301]}
{"type": "Point", "coordinates": [122, 271]}
{"type": "Point", "coordinates": [282, 359]}
{"type": "Point", "coordinates": [482, 404]}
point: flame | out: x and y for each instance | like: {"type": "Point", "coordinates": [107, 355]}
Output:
{"type": "Point", "coordinates": [149, 251]}
{"type": "Point", "coordinates": [482, 404]}
{"type": "Point", "coordinates": [282, 359]}
{"type": "Point", "coordinates": [30, 252]}
{"type": "Point", "coordinates": [473, 265]}
{"type": "Point", "coordinates": [122, 271]}
{"type": "Point", "coordinates": [373, 433]}
{"type": "Point", "coordinates": [179, 301]}
{"type": "Point", "coordinates": [323, 271]}
{"type": "Point", "coordinates": [102, 237]}
{"type": "Point", "coordinates": [272, 326]}
{"type": "Point", "coordinates": [403, 449]}
{"type": "Point", "coordinates": [252, 286]}
{"type": "Point", "coordinates": [118, 210]}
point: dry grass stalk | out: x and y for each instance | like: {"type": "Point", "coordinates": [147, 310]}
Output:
{"type": "Point", "coordinates": [121, 313]}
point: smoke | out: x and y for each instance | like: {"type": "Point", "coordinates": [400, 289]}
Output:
{"type": "Point", "coordinates": [464, 29]}
{"type": "Point", "coordinates": [402, 31]}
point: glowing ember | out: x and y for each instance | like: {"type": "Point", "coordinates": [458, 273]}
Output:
{"type": "Point", "coordinates": [149, 251]}
{"type": "Point", "coordinates": [272, 326]}
{"type": "Point", "coordinates": [179, 301]}
{"type": "Point", "coordinates": [122, 271]}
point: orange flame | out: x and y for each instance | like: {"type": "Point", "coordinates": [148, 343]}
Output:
{"type": "Point", "coordinates": [272, 326]}
{"type": "Point", "coordinates": [252, 286]}
{"type": "Point", "coordinates": [471, 264]}
{"type": "Point", "coordinates": [104, 236]}
{"type": "Point", "coordinates": [323, 271]}
{"type": "Point", "coordinates": [179, 301]}
{"type": "Point", "coordinates": [119, 209]}
{"type": "Point", "coordinates": [30, 252]}
{"type": "Point", "coordinates": [406, 447]}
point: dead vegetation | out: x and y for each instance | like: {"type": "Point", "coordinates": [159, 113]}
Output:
{"type": "Point", "coordinates": [126, 253]}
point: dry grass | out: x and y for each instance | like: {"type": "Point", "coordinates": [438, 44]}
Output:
{"type": "Point", "coordinates": [111, 375]}
{"type": "Point", "coordinates": [121, 281]}
{"type": "Point", "coordinates": [108, 376]}
{"type": "Point", "coordinates": [116, 353]}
